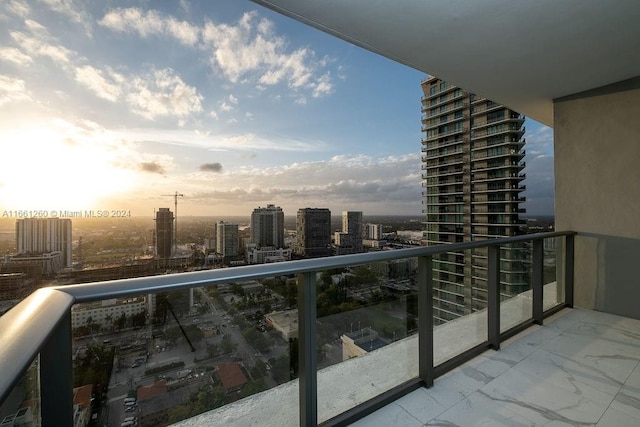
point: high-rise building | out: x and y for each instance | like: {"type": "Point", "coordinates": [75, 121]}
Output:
{"type": "Point", "coordinates": [227, 242]}
{"type": "Point", "coordinates": [373, 231]}
{"type": "Point", "coordinates": [44, 235]}
{"type": "Point", "coordinates": [350, 240]}
{"type": "Point", "coordinates": [164, 233]}
{"type": "Point", "coordinates": [472, 163]}
{"type": "Point", "coordinates": [267, 226]}
{"type": "Point", "coordinates": [313, 232]}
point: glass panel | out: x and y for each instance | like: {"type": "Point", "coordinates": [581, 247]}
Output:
{"type": "Point", "coordinates": [516, 276]}
{"type": "Point", "coordinates": [166, 357]}
{"type": "Point", "coordinates": [459, 305]}
{"type": "Point", "coordinates": [22, 406]}
{"type": "Point", "coordinates": [367, 326]}
{"type": "Point", "coordinates": [553, 283]}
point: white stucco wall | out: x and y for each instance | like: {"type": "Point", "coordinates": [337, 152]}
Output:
{"type": "Point", "coordinates": [597, 178]}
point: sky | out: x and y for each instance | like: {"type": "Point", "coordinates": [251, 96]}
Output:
{"type": "Point", "coordinates": [109, 105]}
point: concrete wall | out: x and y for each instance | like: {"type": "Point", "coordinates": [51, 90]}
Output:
{"type": "Point", "coordinates": [597, 178]}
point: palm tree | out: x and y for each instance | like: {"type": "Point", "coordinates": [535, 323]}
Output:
{"type": "Point", "coordinates": [109, 319]}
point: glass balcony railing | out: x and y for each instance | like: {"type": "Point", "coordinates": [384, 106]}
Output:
{"type": "Point", "coordinates": [309, 336]}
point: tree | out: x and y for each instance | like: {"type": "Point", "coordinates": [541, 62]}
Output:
{"type": "Point", "coordinates": [109, 320]}
{"type": "Point", "coordinates": [237, 289]}
{"type": "Point", "coordinates": [213, 350]}
{"type": "Point", "coordinates": [194, 333]}
{"type": "Point", "coordinates": [259, 370]}
{"type": "Point", "coordinates": [253, 387]}
{"type": "Point", "coordinates": [139, 319]}
{"type": "Point", "coordinates": [90, 323]}
{"type": "Point", "coordinates": [227, 345]}
{"type": "Point", "coordinates": [120, 322]}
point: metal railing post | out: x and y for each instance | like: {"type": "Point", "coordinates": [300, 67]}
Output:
{"type": "Point", "coordinates": [537, 286]}
{"type": "Point", "coordinates": [425, 320]}
{"type": "Point", "coordinates": [493, 297]}
{"type": "Point", "coordinates": [307, 354]}
{"type": "Point", "coordinates": [56, 376]}
{"type": "Point", "coordinates": [568, 269]}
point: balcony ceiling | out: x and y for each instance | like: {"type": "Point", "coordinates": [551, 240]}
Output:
{"type": "Point", "coordinates": [519, 53]}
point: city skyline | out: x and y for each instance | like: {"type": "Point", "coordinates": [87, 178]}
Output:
{"type": "Point", "coordinates": [110, 107]}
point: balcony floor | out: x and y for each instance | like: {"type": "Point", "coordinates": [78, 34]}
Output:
{"type": "Point", "coordinates": [581, 368]}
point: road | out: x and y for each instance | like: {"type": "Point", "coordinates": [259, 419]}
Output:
{"type": "Point", "coordinates": [244, 350]}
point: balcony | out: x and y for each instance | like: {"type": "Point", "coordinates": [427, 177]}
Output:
{"type": "Point", "coordinates": [513, 129]}
{"type": "Point", "coordinates": [41, 326]}
{"type": "Point", "coordinates": [426, 127]}
{"type": "Point", "coordinates": [443, 134]}
{"type": "Point", "coordinates": [433, 104]}
{"type": "Point", "coordinates": [429, 115]}
{"type": "Point", "coordinates": [557, 373]}
{"type": "Point", "coordinates": [519, 118]}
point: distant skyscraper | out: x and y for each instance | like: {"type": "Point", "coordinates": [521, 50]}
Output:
{"type": "Point", "coordinates": [350, 240]}
{"type": "Point", "coordinates": [373, 231]}
{"type": "Point", "coordinates": [164, 233]}
{"type": "Point", "coordinates": [43, 235]}
{"type": "Point", "coordinates": [313, 237]}
{"type": "Point", "coordinates": [267, 226]}
{"type": "Point", "coordinates": [227, 242]}
{"type": "Point", "coordinates": [472, 159]}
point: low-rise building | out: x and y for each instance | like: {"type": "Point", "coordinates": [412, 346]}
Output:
{"type": "Point", "coordinates": [285, 322]}
{"type": "Point", "coordinates": [361, 342]}
{"type": "Point", "coordinates": [82, 405]}
{"type": "Point", "coordinates": [263, 255]}
{"type": "Point", "coordinates": [231, 376]}
{"type": "Point", "coordinates": [50, 263]}
{"type": "Point", "coordinates": [104, 312]}
{"type": "Point", "coordinates": [15, 286]}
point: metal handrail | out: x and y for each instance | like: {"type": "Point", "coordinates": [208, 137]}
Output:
{"type": "Point", "coordinates": [25, 329]}
{"type": "Point", "coordinates": [95, 291]}
{"type": "Point", "coordinates": [42, 322]}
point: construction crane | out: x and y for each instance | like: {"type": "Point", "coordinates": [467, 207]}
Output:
{"type": "Point", "coordinates": [175, 224]}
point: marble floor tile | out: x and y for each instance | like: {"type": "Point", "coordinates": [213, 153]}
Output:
{"type": "Point", "coordinates": [448, 392]}
{"type": "Point", "coordinates": [628, 399]}
{"type": "Point", "coordinates": [571, 375]}
{"type": "Point", "coordinates": [390, 415]}
{"type": "Point", "coordinates": [421, 405]}
{"type": "Point", "coordinates": [580, 368]}
{"type": "Point", "coordinates": [614, 418]}
{"type": "Point", "coordinates": [541, 401]}
{"type": "Point", "coordinates": [479, 410]}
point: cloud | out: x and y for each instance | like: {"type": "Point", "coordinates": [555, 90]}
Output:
{"type": "Point", "coordinates": [379, 184]}
{"type": "Point", "coordinates": [12, 89]}
{"type": "Point", "coordinates": [19, 7]}
{"type": "Point", "coordinates": [163, 93]}
{"type": "Point", "coordinates": [247, 52]}
{"type": "Point", "coordinates": [152, 167]}
{"type": "Point", "coordinates": [72, 10]}
{"type": "Point", "coordinates": [159, 93]}
{"type": "Point", "coordinates": [150, 23]}
{"type": "Point", "coordinates": [211, 167]}
{"type": "Point", "coordinates": [250, 50]}
{"type": "Point", "coordinates": [539, 170]}
{"type": "Point", "coordinates": [323, 86]}
{"type": "Point", "coordinates": [220, 142]}
{"type": "Point", "coordinates": [94, 79]}
{"type": "Point", "coordinates": [39, 43]}
{"type": "Point", "coordinates": [11, 54]}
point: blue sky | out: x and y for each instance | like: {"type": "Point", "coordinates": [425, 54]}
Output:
{"type": "Point", "coordinates": [109, 105]}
